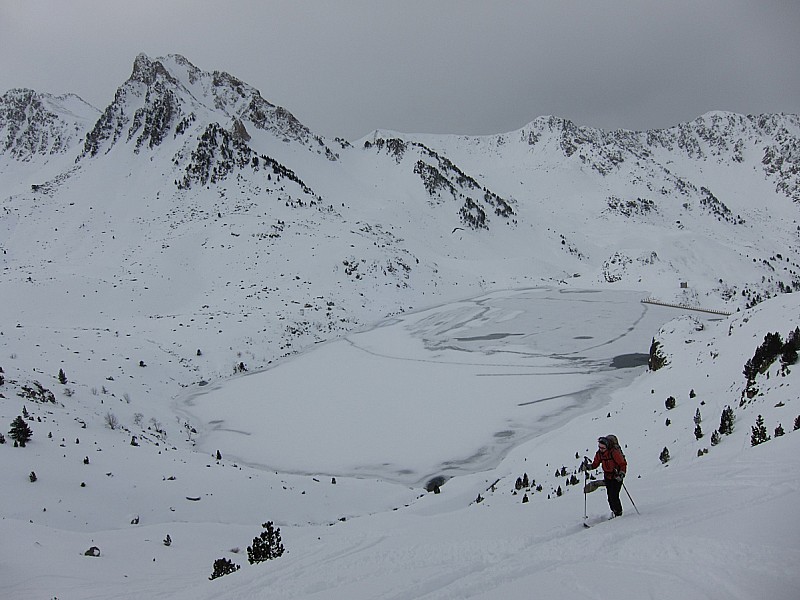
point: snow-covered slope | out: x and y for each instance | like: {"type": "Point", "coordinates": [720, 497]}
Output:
{"type": "Point", "coordinates": [181, 253]}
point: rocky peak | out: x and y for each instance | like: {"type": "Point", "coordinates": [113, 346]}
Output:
{"type": "Point", "coordinates": [34, 123]}
{"type": "Point", "coordinates": [168, 97]}
{"type": "Point", "coordinates": [148, 71]}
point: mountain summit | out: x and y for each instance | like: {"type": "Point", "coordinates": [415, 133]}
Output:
{"type": "Point", "coordinates": [170, 97]}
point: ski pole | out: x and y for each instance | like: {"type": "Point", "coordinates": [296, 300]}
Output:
{"type": "Point", "coordinates": [585, 482]}
{"type": "Point", "coordinates": [631, 499]}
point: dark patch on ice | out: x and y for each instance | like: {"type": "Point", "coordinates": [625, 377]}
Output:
{"type": "Point", "coordinates": [628, 361]}
{"type": "Point", "coordinates": [504, 434]}
{"type": "Point", "coordinates": [583, 337]}
{"type": "Point", "coordinates": [491, 336]}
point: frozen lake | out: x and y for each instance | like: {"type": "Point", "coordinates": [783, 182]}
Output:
{"type": "Point", "coordinates": [443, 391]}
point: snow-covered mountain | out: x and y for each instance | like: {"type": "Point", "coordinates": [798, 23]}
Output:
{"type": "Point", "coordinates": [192, 232]}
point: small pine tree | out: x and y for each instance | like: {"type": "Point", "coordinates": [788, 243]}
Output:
{"type": "Point", "coordinates": [670, 403]}
{"type": "Point", "coordinates": [797, 423]}
{"type": "Point", "coordinates": [698, 432]}
{"type": "Point", "coordinates": [223, 566]}
{"type": "Point", "coordinates": [267, 545]}
{"type": "Point", "coordinates": [664, 456]}
{"type": "Point", "coordinates": [32, 477]}
{"type": "Point", "coordinates": [20, 432]}
{"type": "Point", "coordinates": [759, 432]}
{"type": "Point", "coordinates": [697, 418]}
{"type": "Point", "coordinates": [779, 430]}
{"type": "Point", "coordinates": [657, 358]}
{"type": "Point", "coordinates": [715, 438]}
{"type": "Point", "coordinates": [62, 377]}
{"type": "Point", "coordinates": [790, 348]}
{"type": "Point", "coordinates": [726, 421]}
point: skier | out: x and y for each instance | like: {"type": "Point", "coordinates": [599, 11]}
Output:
{"type": "Point", "coordinates": [614, 464]}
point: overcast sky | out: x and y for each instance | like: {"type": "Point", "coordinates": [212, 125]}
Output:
{"type": "Point", "coordinates": [346, 67]}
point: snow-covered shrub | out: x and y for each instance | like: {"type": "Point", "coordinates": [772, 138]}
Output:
{"type": "Point", "coordinates": [223, 566]}
{"type": "Point", "coordinates": [111, 420]}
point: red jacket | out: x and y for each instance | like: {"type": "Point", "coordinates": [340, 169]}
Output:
{"type": "Point", "coordinates": [613, 461]}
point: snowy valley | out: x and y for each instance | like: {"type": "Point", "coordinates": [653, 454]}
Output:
{"type": "Point", "coordinates": [213, 318]}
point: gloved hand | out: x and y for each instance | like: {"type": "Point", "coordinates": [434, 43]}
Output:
{"type": "Point", "coordinates": [620, 476]}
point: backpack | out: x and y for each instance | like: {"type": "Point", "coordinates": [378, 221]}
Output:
{"type": "Point", "coordinates": [612, 439]}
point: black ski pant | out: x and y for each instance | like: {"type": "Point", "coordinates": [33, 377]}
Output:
{"type": "Point", "coordinates": [613, 488]}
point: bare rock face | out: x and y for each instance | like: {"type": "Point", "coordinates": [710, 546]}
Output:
{"type": "Point", "coordinates": [33, 123]}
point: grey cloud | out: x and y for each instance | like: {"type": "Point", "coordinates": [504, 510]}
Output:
{"type": "Point", "coordinates": [455, 66]}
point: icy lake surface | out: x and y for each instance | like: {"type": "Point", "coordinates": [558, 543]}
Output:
{"type": "Point", "coordinates": [492, 371]}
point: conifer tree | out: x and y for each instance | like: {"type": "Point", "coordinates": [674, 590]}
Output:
{"type": "Point", "coordinates": [20, 432]}
{"type": "Point", "coordinates": [267, 545]}
{"type": "Point", "coordinates": [759, 432]}
{"type": "Point", "coordinates": [656, 359]}
{"type": "Point", "coordinates": [664, 456]}
{"type": "Point", "coordinates": [797, 423]}
{"type": "Point", "coordinates": [726, 421]}
{"type": "Point", "coordinates": [779, 430]}
{"type": "Point", "coordinates": [715, 438]}
{"type": "Point", "coordinates": [62, 377]}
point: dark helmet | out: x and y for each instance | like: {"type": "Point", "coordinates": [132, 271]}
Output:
{"type": "Point", "coordinates": [603, 441]}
